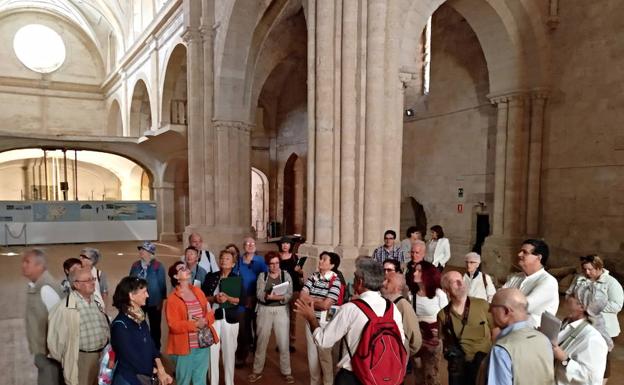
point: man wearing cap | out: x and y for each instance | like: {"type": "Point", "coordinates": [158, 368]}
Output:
{"type": "Point", "coordinates": [151, 270]}
{"type": "Point", "coordinates": [479, 284]}
{"type": "Point", "coordinates": [207, 260]}
{"type": "Point", "coordinates": [583, 342]}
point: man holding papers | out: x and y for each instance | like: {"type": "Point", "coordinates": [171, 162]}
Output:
{"type": "Point", "coordinates": [274, 290]}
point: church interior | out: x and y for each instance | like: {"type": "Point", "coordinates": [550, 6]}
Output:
{"type": "Point", "coordinates": [334, 120]}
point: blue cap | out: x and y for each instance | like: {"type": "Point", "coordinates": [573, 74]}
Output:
{"type": "Point", "coordinates": [148, 246]}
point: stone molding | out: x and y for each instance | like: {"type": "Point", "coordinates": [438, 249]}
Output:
{"type": "Point", "coordinates": [226, 125]}
{"type": "Point", "coordinates": [520, 96]}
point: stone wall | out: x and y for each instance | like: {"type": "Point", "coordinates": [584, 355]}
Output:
{"type": "Point", "coordinates": [449, 144]}
{"type": "Point", "coordinates": [65, 101]}
{"type": "Point", "coordinates": [583, 168]}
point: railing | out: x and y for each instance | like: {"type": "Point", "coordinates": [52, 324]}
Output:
{"type": "Point", "coordinates": [178, 112]}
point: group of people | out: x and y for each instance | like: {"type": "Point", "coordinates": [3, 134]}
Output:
{"type": "Point", "coordinates": [227, 307]}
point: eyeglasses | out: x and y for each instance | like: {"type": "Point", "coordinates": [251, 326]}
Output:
{"type": "Point", "coordinates": [250, 243]}
{"type": "Point", "coordinates": [389, 238]}
{"type": "Point", "coordinates": [273, 263]}
{"type": "Point", "coordinates": [92, 279]}
{"type": "Point", "coordinates": [84, 256]}
{"type": "Point", "coordinates": [389, 270]}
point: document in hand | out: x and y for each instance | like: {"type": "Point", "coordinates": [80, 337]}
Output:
{"type": "Point", "coordinates": [231, 286]}
{"type": "Point", "coordinates": [280, 289]}
{"type": "Point", "coordinates": [550, 326]}
{"type": "Point", "coordinates": [301, 261]}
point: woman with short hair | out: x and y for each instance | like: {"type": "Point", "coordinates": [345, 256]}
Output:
{"type": "Point", "coordinates": [595, 273]}
{"type": "Point", "coordinates": [136, 353]}
{"type": "Point", "coordinates": [187, 312]}
{"type": "Point", "coordinates": [272, 314]}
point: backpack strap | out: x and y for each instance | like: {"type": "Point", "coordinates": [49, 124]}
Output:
{"type": "Point", "coordinates": [370, 314]}
{"type": "Point", "coordinates": [397, 299]}
{"type": "Point", "coordinates": [484, 280]}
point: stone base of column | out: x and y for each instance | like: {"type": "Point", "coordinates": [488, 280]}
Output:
{"type": "Point", "coordinates": [168, 237]}
{"type": "Point", "coordinates": [217, 237]}
{"type": "Point", "coordinates": [500, 254]}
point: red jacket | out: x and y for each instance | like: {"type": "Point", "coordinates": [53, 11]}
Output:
{"type": "Point", "coordinates": [180, 325]}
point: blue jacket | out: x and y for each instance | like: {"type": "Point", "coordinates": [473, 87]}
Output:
{"type": "Point", "coordinates": [249, 274]}
{"type": "Point", "coordinates": [134, 348]}
{"type": "Point", "coordinates": [156, 283]}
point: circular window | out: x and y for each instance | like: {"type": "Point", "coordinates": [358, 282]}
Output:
{"type": "Point", "coordinates": [39, 48]}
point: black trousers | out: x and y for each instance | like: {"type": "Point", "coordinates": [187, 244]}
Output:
{"type": "Point", "coordinates": [246, 334]}
{"type": "Point", "coordinates": [154, 314]}
{"type": "Point", "coordinates": [346, 377]}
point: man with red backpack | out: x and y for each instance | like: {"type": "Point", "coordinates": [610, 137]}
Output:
{"type": "Point", "coordinates": [372, 328]}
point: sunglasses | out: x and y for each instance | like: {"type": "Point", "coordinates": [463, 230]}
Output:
{"type": "Point", "coordinates": [588, 258]}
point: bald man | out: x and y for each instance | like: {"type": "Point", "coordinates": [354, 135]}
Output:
{"type": "Point", "coordinates": [393, 287]}
{"type": "Point", "coordinates": [465, 324]}
{"type": "Point", "coordinates": [521, 354]}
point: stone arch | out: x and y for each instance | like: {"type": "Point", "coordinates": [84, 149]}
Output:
{"type": "Point", "coordinates": [259, 202]}
{"type": "Point", "coordinates": [174, 88]}
{"type": "Point", "coordinates": [514, 47]}
{"type": "Point", "coordinates": [173, 193]}
{"type": "Point", "coordinates": [249, 27]}
{"type": "Point", "coordinates": [140, 110]}
{"type": "Point", "coordinates": [115, 121]}
{"type": "Point", "coordinates": [294, 218]}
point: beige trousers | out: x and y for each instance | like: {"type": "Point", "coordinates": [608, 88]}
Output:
{"type": "Point", "coordinates": [320, 362]}
{"type": "Point", "coordinates": [272, 318]}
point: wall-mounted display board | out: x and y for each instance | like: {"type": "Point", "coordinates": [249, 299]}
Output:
{"type": "Point", "coordinates": [42, 222]}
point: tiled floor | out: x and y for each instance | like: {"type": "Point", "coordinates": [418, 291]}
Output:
{"type": "Point", "coordinates": [16, 363]}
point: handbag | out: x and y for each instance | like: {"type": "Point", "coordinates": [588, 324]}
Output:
{"type": "Point", "coordinates": [144, 379]}
{"type": "Point", "coordinates": [205, 338]}
{"type": "Point", "coordinates": [107, 366]}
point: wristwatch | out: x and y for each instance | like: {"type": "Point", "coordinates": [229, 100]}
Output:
{"type": "Point", "coordinates": [565, 362]}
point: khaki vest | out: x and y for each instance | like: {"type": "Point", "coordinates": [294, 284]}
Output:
{"type": "Point", "coordinates": [37, 314]}
{"type": "Point", "coordinates": [531, 357]}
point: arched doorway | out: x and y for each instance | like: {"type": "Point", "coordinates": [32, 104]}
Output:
{"type": "Point", "coordinates": [259, 203]}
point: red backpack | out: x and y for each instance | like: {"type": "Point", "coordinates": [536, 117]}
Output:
{"type": "Point", "coordinates": [380, 358]}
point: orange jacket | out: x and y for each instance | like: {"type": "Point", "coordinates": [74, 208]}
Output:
{"type": "Point", "coordinates": [179, 323]}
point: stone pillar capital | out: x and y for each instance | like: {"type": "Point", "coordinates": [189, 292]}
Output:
{"type": "Point", "coordinates": [514, 97]}
{"type": "Point", "coordinates": [191, 35]}
{"type": "Point", "coordinates": [540, 94]}
{"type": "Point", "coordinates": [405, 77]}
{"type": "Point", "coordinates": [163, 186]}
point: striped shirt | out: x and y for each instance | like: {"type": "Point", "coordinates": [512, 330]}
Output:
{"type": "Point", "coordinates": [194, 311]}
{"type": "Point", "coordinates": [381, 254]}
{"type": "Point", "coordinates": [319, 287]}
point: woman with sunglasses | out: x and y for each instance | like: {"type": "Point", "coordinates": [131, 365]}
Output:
{"type": "Point", "coordinates": [187, 312]}
{"type": "Point", "coordinates": [594, 273]}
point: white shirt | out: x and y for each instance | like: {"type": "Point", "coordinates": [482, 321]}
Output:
{"type": "Point", "coordinates": [48, 296]}
{"type": "Point", "coordinates": [427, 308]}
{"type": "Point", "coordinates": [350, 321]}
{"type": "Point", "coordinates": [477, 289]}
{"type": "Point", "coordinates": [541, 290]}
{"type": "Point", "coordinates": [207, 261]}
{"type": "Point", "coordinates": [438, 251]}
{"type": "Point", "coordinates": [612, 288]}
{"type": "Point", "coordinates": [587, 357]}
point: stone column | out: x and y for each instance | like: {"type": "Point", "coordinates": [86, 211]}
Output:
{"type": "Point", "coordinates": [510, 183]}
{"type": "Point", "coordinates": [538, 103]}
{"type": "Point", "coordinates": [499, 164]}
{"type": "Point", "coordinates": [324, 117]}
{"type": "Point", "coordinates": [374, 135]}
{"type": "Point", "coordinates": [207, 22]}
{"type": "Point", "coordinates": [393, 130]}
{"type": "Point", "coordinates": [195, 129]}
{"type": "Point", "coordinates": [310, 10]}
{"type": "Point", "coordinates": [165, 206]}
{"type": "Point", "coordinates": [348, 124]}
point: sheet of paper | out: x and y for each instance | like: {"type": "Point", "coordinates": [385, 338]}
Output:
{"type": "Point", "coordinates": [280, 289]}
